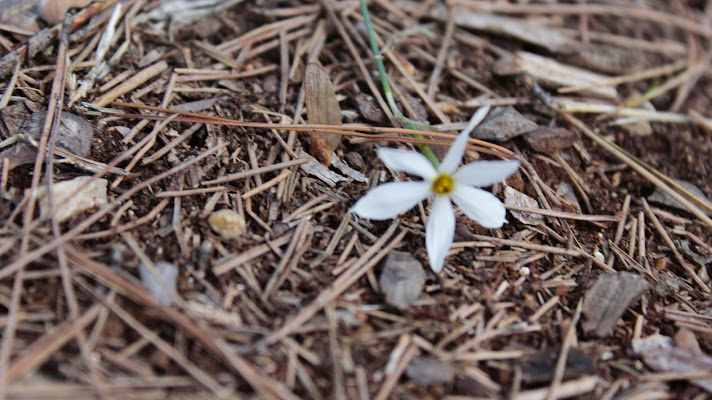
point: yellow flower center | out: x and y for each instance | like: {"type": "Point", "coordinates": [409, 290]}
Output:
{"type": "Point", "coordinates": [443, 184]}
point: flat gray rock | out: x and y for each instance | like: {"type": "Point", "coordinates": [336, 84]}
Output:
{"type": "Point", "coordinates": [75, 133]}
{"type": "Point", "coordinates": [430, 371]}
{"type": "Point", "coordinates": [163, 285]}
{"type": "Point", "coordinates": [660, 197]}
{"type": "Point", "coordinates": [503, 123]}
{"type": "Point", "coordinates": [608, 299]}
{"type": "Point", "coordinates": [402, 279]}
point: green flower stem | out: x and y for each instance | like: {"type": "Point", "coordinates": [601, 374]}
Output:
{"type": "Point", "coordinates": [388, 92]}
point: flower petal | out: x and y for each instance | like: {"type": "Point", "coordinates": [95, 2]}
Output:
{"type": "Point", "coordinates": [476, 119]}
{"type": "Point", "coordinates": [486, 173]}
{"type": "Point", "coordinates": [439, 232]}
{"type": "Point", "coordinates": [390, 199]}
{"type": "Point", "coordinates": [479, 205]}
{"type": "Point", "coordinates": [410, 162]}
{"type": "Point", "coordinates": [454, 154]}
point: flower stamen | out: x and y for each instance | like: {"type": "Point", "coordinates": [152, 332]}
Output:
{"type": "Point", "coordinates": [443, 184]}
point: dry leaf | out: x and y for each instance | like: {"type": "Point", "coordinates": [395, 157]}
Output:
{"type": "Point", "coordinates": [75, 133]}
{"type": "Point", "coordinates": [322, 108]}
{"type": "Point", "coordinates": [513, 197]}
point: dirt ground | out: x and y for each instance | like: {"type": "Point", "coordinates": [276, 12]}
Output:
{"type": "Point", "coordinates": [598, 286]}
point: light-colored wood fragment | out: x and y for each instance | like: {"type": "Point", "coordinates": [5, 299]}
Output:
{"type": "Point", "coordinates": [131, 84]}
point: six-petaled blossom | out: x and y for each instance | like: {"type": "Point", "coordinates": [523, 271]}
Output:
{"type": "Point", "coordinates": [444, 184]}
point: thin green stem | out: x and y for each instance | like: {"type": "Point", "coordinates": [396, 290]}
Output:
{"type": "Point", "coordinates": [388, 92]}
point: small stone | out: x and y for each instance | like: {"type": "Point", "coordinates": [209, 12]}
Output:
{"type": "Point", "coordinates": [227, 223]}
{"type": "Point", "coordinates": [550, 140]}
{"type": "Point", "coordinates": [355, 159]}
{"type": "Point", "coordinates": [93, 195]}
{"type": "Point", "coordinates": [368, 108]}
{"type": "Point", "coordinates": [163, 286]}
{"type": "Point", "coordinates": [14, 116]}
{"type": "Point", "coordinates": [402, 279]}
{"type": "Point", "coordinates": [75, 133]}
{"type": "Point", "coordinates": [660, 197]}
{"type": "Point", "coordinates": [430, 371]}
{"type": "Point", "coordinates": [599, 256]}
{"type": "Point", "coordinates": [503, 123]}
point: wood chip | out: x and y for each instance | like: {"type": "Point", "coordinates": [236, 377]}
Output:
{"type": "Point", "coordinates": [135, 81]}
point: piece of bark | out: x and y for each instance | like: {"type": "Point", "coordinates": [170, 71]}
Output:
{"type": "Point", "coordinates": [539, 367]}
{"type": "Point", "coordinates": [14, 116]}
{"type": "Point", "coordinates": [91, 196]}
{"type": "Point", "coordinates": [608, 299]}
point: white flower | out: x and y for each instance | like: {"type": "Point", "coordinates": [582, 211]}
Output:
{"type": "Point", "coordinates": [443, 184]}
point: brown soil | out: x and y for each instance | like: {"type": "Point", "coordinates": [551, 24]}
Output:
{"type": "Point", "coordinates": [274, 313]}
